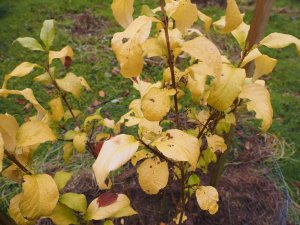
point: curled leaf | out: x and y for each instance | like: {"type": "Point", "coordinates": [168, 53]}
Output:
{"type": "Point", "coordinates": [114, 153]}
{"type": "Point", "coordinates": [122, 11]}
{"type": "Point", "coordinates": [127, 46]}
{"type": "Point", "coordinates": [278, 40]}
{"type": "Point", "coordinates": [259, 102]}
{"type": "Point", "coordinates": [8, 130]}
{"type": "Point", "coordinates": [203, 49]}
{"type": "Point", "coordinates": [65, 54]}
{"type": "Point", "coordinates": [233, 18]}
{"type": "Point", "coordinates": [119, 208]}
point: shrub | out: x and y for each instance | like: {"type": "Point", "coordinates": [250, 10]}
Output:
{"type": "Point", "coordinates": [185, 121]}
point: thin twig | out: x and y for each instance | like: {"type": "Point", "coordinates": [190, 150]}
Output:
{"type": "Point", "coordinates": [170, 57]}
{"type": "Point", "coordinates": [12, 158]}
{"type": "Point", "coordinates": [63, 96]}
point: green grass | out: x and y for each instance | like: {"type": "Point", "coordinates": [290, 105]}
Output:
{"type": "Point", "coordinates": [95, 62]}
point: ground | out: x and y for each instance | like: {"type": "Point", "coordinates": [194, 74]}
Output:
{"type": "Point", "coordinates": [88, 26]}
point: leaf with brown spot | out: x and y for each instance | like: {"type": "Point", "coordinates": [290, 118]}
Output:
{"type": "Point", "coordinates": [106, 199]}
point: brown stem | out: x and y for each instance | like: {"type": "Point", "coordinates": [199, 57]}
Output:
{"type": "Point", "coordinates": [63, 96]}
{"type": "Point", "coordinates": [12, 158]}
{"type": "Point", "coordinates": [158, 153]}
{"type": "Point", "coordinates": [182, 194]}
{"type": "Point", "coordinates": [170, 57]}
{"type": "Point", "coordinates": [212, 116]}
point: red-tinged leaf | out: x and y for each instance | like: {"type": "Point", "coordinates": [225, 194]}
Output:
{"type": "Point", "coordinates": [106, 199]}
{"type": "Point", "coordinates": [97, 148]}
{"type": "Point", "coordinates": [68, 61]}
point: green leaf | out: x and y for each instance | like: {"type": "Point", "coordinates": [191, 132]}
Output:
{"type": "Point", "coordinates": [63, 215]}
{"type": "Point", "coordinates": [30, 43]}
{"type": "Point", "coordinates": [47, 33]}
{"type": "Point", "coordinates": [193, 179]}
{"type": "Point", "coordinates": [74, 201]}
{"type": "Point", "coordinates": [61, 178]}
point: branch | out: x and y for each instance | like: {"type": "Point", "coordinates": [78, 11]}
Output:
{"type": "Point", "coordinates": [12, 158]}
{"type": "Point", "coordinates": [159, 154]}
{"type": "Point", "coordinates": [63, 96]}
{"type": "Point", "coordinates": [212, 116]}
{"type": "Point", "coordinates": [170, 57]}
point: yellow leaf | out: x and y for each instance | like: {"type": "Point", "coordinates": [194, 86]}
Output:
{"type": "Point", "coordinates": [70, 83]}
{"type": "Point", "coordinates": [143, 87]}
{"type": "Point", "coordinates": [20, 71]}
{"type": "Point", "coordinates": [240, 34]}
{"type": "Point", "coordinates": [114, 153]}
{"type": "Point", "coordinates": [197, 79]}
{"type": "Point", "coordinates": [176, 40]}
{"type": "Point", "coordinates": [120, 208]}
{"type": "Point", "coordinates": [57, 109]}
{"type": "Point", "coordinates": [30, 43]}
{"type": "Point", "coordinates": [278, 40]}
{"type": "Point", "coordinates": [66, 52]}
{"type": "Point", "coordinates": [205, 19]}
{"type": "Point", "coordinates": [84, 83]}
{"type": "Point", "coordinates": [8, 130]}
{"type": "Point", "coordinates": [253, 54]}
{"type": "Point", "coordinates": [109, 123]}
{"type": "Point", "coordinates": [122, 11]}
{"type": "Point", "coordinates": [63, 215]}
{"type": "Point", "coordinates": [263, 65]}
{"type": "Point", "coordinates": [155, 104]}
{"type": "Point", "coordinates": [149, 130]}
{"type": "Point", "coordinates": [223, 94]}
{"type": "Point", "coordinates": [40, 196]}
{"type": "Point", "coordinates": [232, 19]}
{"type": "Point", "coordinates": [127, 46]}
{"type": "Point", "coordinates": [61, 178]}
{"type": "Point", "coordinates": [28, 95]}
{"type": "Point", "coordinates": [182, 21]}
{"type": "Point", "coordinates": [179, 146]}
{"type": "Point", "coordinates": [34, 132]}
{"type": "Point", "coordinates": [13, 172]}
{"type": "Point", "coordinates": [45, 77]}
{"type": "Point", "coordinates": [153, 47]}
{"type": "Point", "coordinates": [153, 175]}
{"type": "Point", "coordinates": [79, 142]}
{"type": "Point", "coordinates": [216, 143]}
{"type": "Point", "coordinates": [139, 155]}
{"type": "Point", "coordinates": [74, 201]}
{"type": "Point", "coordinates": [68, 151]}
{"type": "Point", "coordinates": [207, 198]}
{"type": "Point", "coordinates": [203, 49]}
{"type": "Point", "coordinates": [259, 102]}
{"type": "Point", "coordinates": [68, 114]}
{"type": "Point", "coordinates": [1, 152]}
{"type": "Point", "coordinates": [14, 211]}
